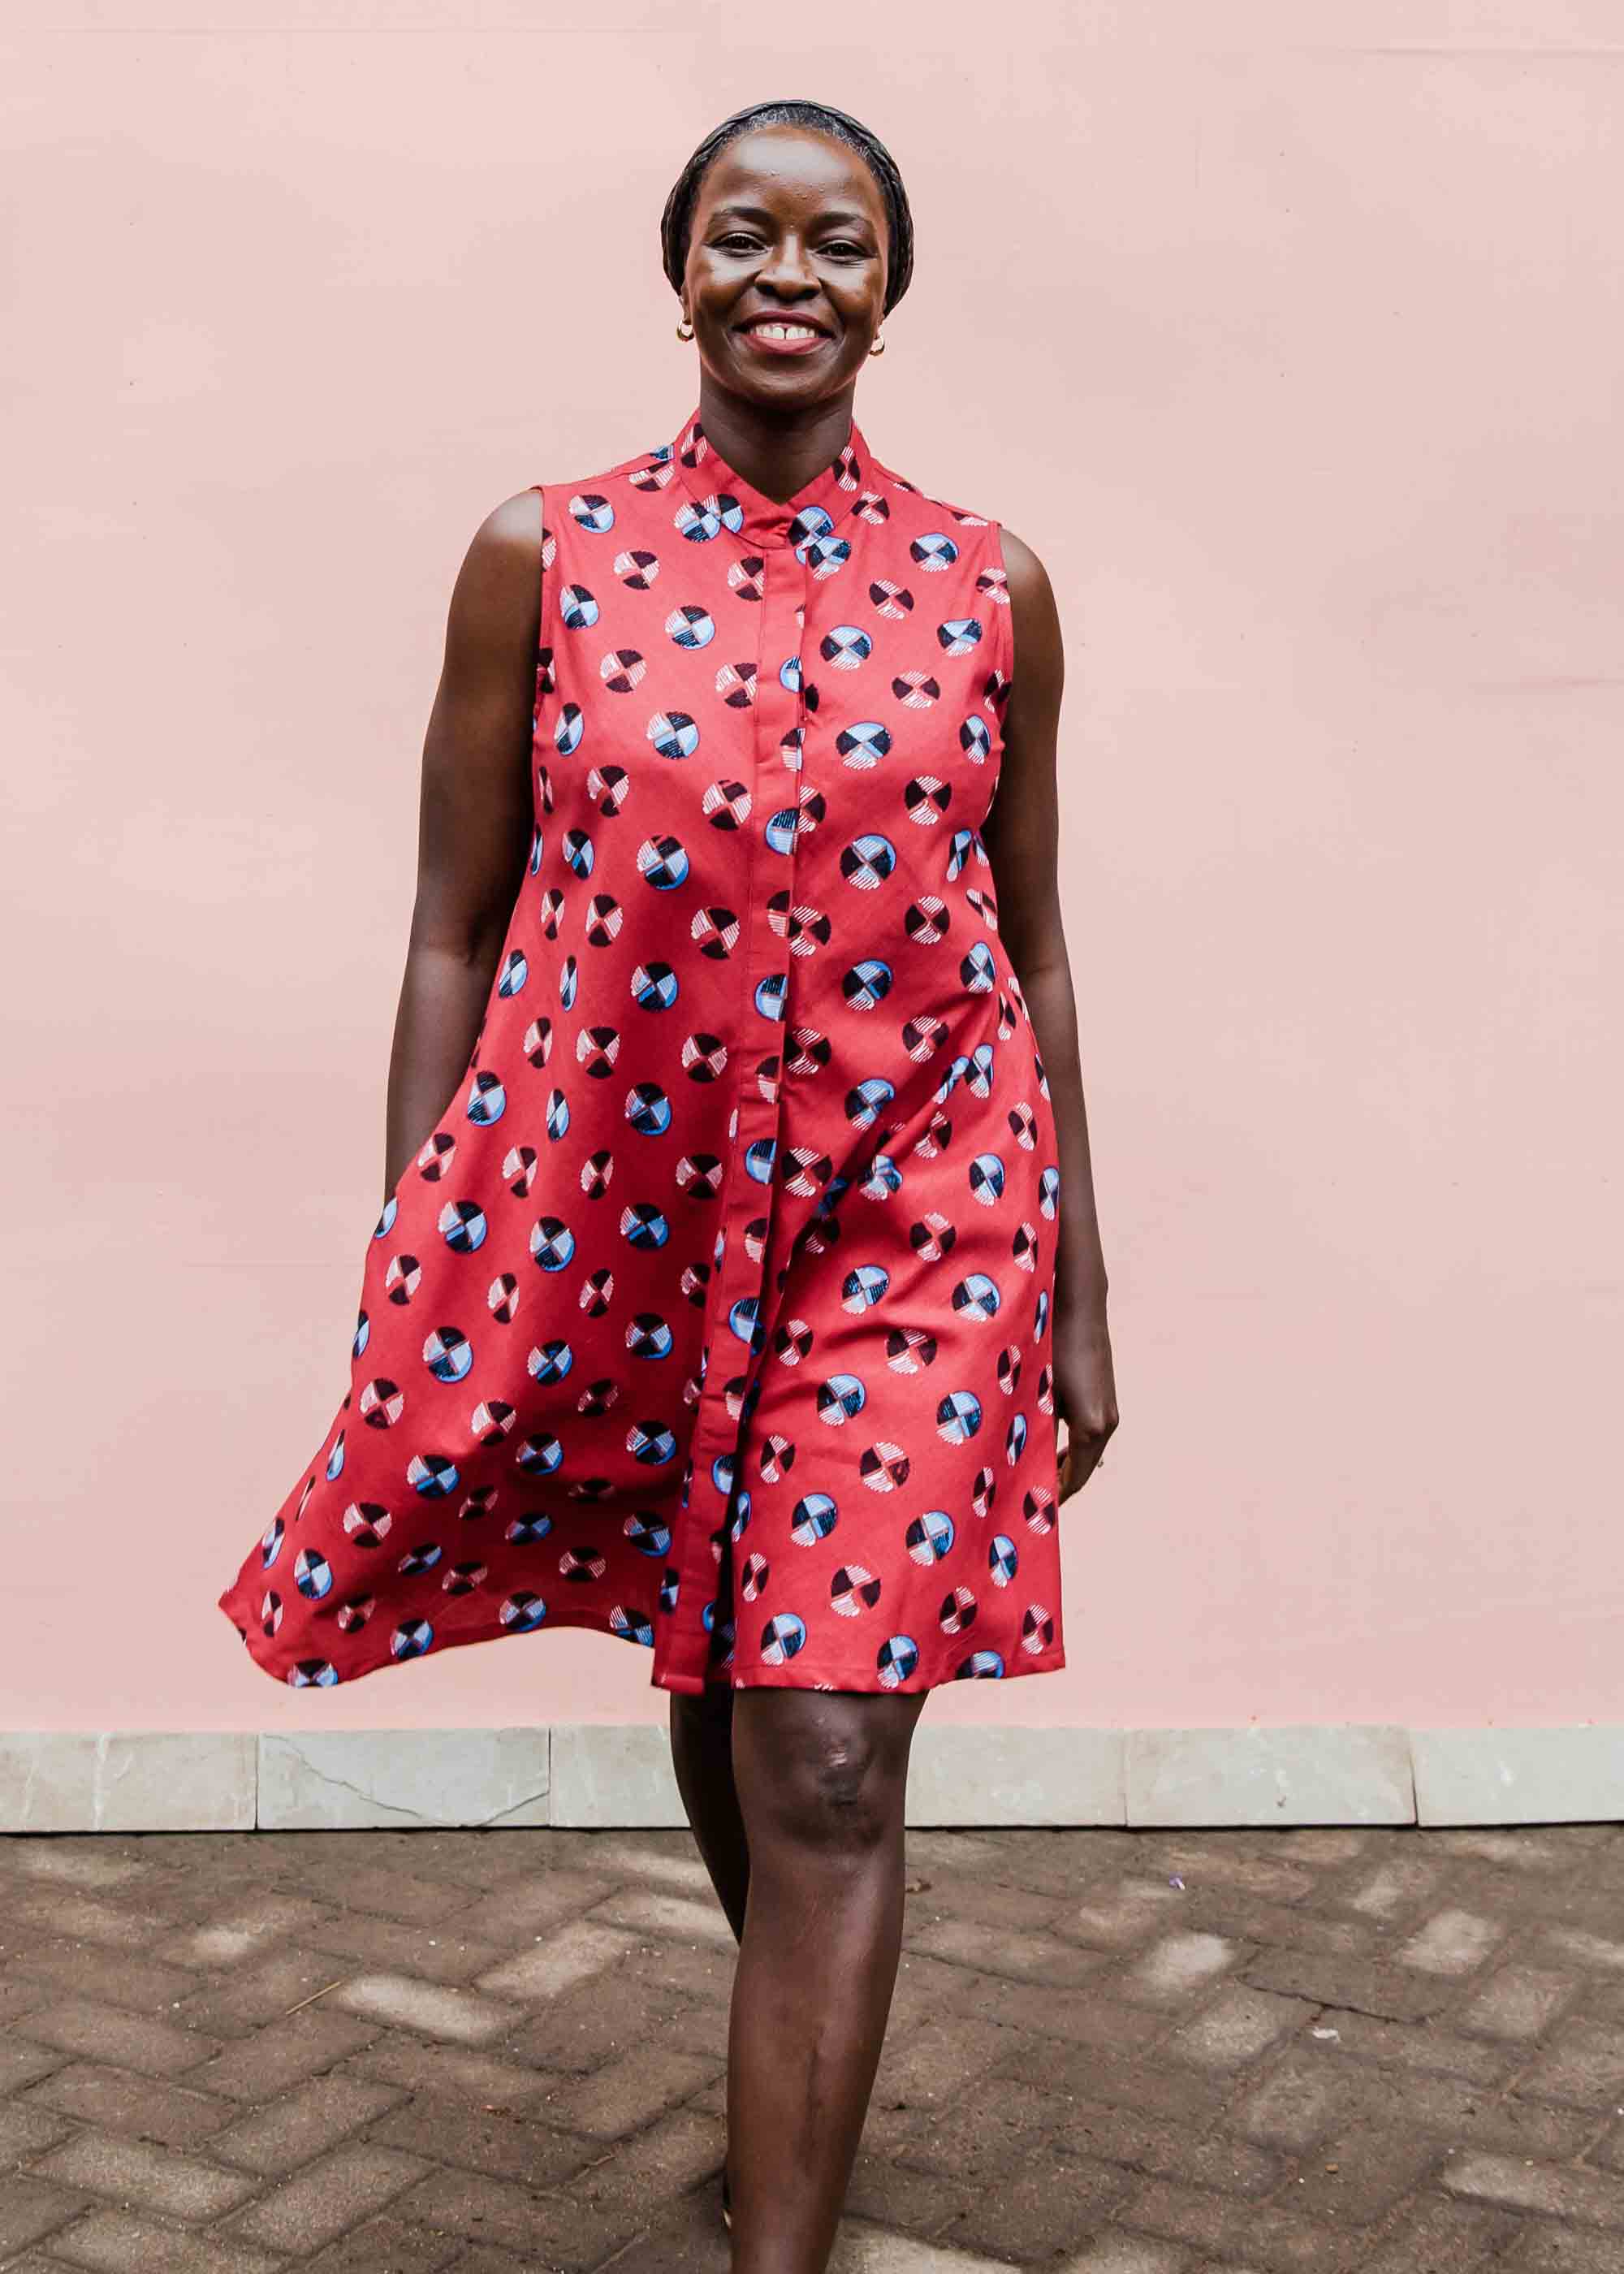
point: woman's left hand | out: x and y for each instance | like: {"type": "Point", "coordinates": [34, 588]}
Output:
{"type": "Point", "coordinates": [1085, 1395]}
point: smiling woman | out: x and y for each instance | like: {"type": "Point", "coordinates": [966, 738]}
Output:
{"type": "Point", "coordinates": [733, 1303]}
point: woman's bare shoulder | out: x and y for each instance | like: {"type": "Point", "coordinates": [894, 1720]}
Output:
{"type": "Point", "coordinates": [1039, 646]}
{"type": "Point", "coordinates": [498, 589]}
{"type": "Point", "coordinates": [509, 539]}
{"type": "Point", "coordinates": [1028, 578]}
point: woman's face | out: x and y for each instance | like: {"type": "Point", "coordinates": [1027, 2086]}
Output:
{"type": "Point", "coordinates": [788, 230]}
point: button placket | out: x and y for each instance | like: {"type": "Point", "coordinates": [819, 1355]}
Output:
{"type": "Point", "coordinates": [777, 716]}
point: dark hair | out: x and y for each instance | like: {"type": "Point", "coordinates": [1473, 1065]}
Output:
{"type": "Point", "coordinates": [674, 223]}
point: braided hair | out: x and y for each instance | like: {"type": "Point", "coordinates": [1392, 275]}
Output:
{"type": "Point", "coordinates": [679, 213]}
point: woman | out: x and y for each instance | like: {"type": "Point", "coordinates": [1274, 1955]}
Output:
{"type": "Point", "coordinates": [731, 1307]}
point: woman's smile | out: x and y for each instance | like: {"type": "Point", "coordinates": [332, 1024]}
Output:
{"type": "Point", "coordinates": [784, 335]}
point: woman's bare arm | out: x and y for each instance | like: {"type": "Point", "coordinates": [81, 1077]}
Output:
{"type": "Point", "coordinates": [474, 821]}
{"type": "Point", "coordinates": [1022, 837]}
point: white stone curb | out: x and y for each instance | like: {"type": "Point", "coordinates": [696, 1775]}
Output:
{"type": "Point", "coordinates": [1302, 1775]}
{"type": "Point", "coordinates": [56, 1780]}
{"type": "Point", "coordinates": [1519, 1776]}
{"type": "Point", "coordinates": [606, 1776]}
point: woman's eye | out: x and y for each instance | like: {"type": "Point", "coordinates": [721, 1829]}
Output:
{"type": "Point", "coordinates": [734, 242]}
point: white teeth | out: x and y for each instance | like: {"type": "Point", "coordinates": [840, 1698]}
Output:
{"type": "Point", "coordinates": [783, 331]}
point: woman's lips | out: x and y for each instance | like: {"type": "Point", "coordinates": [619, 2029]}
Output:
{"type": "Point", "coordinates": [768, 345]}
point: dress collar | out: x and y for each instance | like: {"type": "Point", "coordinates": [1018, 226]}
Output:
{"type": "Point", "coordinates": [721, 496]}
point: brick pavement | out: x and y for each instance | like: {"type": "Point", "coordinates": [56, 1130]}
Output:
{"type": "Point", "coordinates": [1303, 2052]}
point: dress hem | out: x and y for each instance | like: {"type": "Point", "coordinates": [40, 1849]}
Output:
{"type": "Point", "coordinates": [276, 1665]}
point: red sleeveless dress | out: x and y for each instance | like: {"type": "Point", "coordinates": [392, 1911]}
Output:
{"type": "Point", "coordinates": [715, 1311]}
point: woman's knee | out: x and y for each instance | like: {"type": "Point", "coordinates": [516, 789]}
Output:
{"type": "Point", "coordinates": [826, 1771]}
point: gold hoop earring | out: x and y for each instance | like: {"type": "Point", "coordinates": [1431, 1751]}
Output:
{"type": "Point", "coordinates": [685, 330]}
{"type": "Point", "coordinates": [876, 346]}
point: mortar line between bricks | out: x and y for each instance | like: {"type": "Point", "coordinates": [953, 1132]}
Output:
{"type": "Point", "coordinates": [632, 2242]}
{"type": "Point", "coordinates": [1509, 2096]}
{"type": "Point", "coordinates": [1368, 2013]}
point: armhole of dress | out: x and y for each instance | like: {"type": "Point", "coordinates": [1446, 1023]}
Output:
{"type": "Point", "coordinates": [540, 489]}
{"type": "Point", "coordinates": [1006, 621]}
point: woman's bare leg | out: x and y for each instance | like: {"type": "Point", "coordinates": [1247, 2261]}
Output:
{"type": "Point", "coordinates": [820, 1778]}
{"type": "Point", "coordinates": [702, 1740]}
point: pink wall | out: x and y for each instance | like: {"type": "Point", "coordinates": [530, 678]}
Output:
{"type": "Point", "coordinates": [1289, 337]}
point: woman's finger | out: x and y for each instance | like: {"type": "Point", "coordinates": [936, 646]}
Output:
{"type": "Point", "coordinates": [1079, 1462]}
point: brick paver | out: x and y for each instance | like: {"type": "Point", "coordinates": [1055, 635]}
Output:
{"type": "Point", "coordinates": [1327, 2050]}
